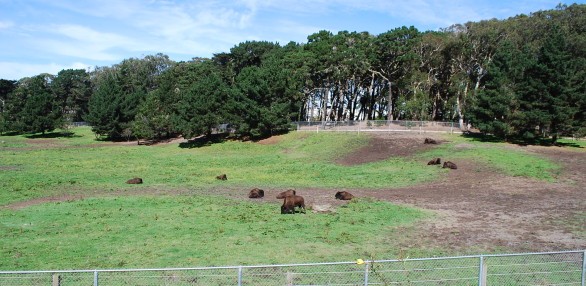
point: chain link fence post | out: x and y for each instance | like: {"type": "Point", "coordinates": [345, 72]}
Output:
{"type": "Point", "coordinates": [239, 275]}
{"type": "Point", "coordinates": [482, 272]}
{"type": "Point", "coordinates": [584, 268]}
{"type": "Point", "coordinates": [366, 270]}
{"type": "Point", "coordinates": [96, 278]}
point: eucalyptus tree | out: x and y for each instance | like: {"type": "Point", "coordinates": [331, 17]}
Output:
{"type": "Point", "coordinates": [351, 71]}
{"type": "Point", "coordinates": [319, 46]}
{"type": "Point", "coordinates": [427, 78]}
{"type": "Point", "coordinates": [395, 52]}
{"type": "Point", "coordinates": [297, 63]}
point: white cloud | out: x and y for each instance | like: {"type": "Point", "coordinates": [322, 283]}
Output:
{"type": "Point", "coordinates": [82, 42]}
{"type": "Point", "coordinates": [6, 25]}
{"type": "Point", "coordinates": [16, 71]}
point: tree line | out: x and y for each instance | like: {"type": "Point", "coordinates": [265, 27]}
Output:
{"type": "Point", "coordinates": [522, 77]}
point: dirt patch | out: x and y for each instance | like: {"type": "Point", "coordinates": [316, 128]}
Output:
{"type": "Point", "coordinates": [384, 146]}
{"type": "Point", "coordinates": [271, 140]}
{"type": "Point", "coordinates": [478, 207]}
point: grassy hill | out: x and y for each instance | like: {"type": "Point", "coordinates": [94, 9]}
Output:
{"type": "Point", "coordinates": [64, 203]}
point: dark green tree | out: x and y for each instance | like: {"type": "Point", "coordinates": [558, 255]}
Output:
{"type": "Point", "coordinates": [41, 111]}
{"type": "Point", "coordinates": [72, 88]}
{"type": "Point", "coordinates": [495, 109]}
{"type": "Point", "coordinates": [105, 108]}
{"type": "Point", "coordinates": [6, 88]}
{"type": "Point", "coordinates": [202, 105]}
{"type": "Point", "coordinates": [545, 92]}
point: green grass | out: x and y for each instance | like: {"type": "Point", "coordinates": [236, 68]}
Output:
{"type": "Point", "coordinates": [299, 161]}
{"type": "Point", "coordinates": [573, 143]}
{"type": "Point", "coordinates": [502, 156]}
{"type": "Point", "coordinates": [167, 231]}
{"type": "Point", "coordinates": [118, 230]}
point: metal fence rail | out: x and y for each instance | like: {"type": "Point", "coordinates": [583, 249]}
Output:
{"type": "Point", "coordinates": [550, 268]}
{"type": "Point", "coordinates": [380, 126]}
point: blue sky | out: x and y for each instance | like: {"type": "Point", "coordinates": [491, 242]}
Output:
{"type": "Point", "coordinates": [39, 36]}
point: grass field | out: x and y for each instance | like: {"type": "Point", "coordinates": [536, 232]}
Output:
{"type": "Point", "coordinates": [125, 226]}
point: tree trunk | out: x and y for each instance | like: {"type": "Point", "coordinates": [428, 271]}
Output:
{"type": "Point", "coordinates": [461, 97]}
{"type": "Point", "coordinates": [390, 107]}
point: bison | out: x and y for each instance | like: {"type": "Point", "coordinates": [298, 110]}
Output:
{"type": "Point", "coordinates": [429, 141]}
{"type": "Point", "coordinates": [222, 177]}
{"type": "Point", "coordinates": [285, 194]}
{"type": "Point", "coordinates": [134, 181]}
{"type": "Point", "coordinates": [256, 193]}
{"type": "Point", "coordinates": [290, 202]}
{"type": "Point", "coordinates": [450, 165]}
{"type": "Point", "coordinates": [344, 196]}
{"type": "Point", "coordinates": [436, 161]}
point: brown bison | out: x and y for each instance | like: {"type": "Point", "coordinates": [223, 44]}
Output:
{"type": "Point", "coordinates": [436, 161]}
{"type": "Point", "coordinates": [344, 196]}
{"type": "Point", "coordinates": [256, 193]}
{"type": "Point", "coordinates": [450, 165]}
{"type": "Point", "coordinates": [290, 202]}
{"type": "Point", "coordinates": [285, 194]}
{"type": "Point", "coordinates": [134, 181]}
{"type": "Point", "coordinates": [429, 141]}
{"type": "Point", "coordinates": [222, 177]}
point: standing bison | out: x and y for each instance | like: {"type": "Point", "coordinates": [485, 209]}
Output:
{"type": "Point", "coordinates": [344, 196]}
{"type": "Point", "coordinates": [222, 177]}
{"type": "Point", "coordinates": [256, 193]}
{"type": "Point", "coordinates": [436, 161]}
{"type": "Point", "coordinates": [450, 165]}
{"type": "Point", "coordinates": [290, 202]}
{"type": "Point", "coordinates": [285, 194]}
{"type": "Point", "coordinates": [134, 181]}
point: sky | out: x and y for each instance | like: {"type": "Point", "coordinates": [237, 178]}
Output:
{"type": "Point", "coordinates": [47, 36]}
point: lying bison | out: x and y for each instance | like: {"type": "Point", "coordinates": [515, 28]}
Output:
{"type": "Point", "coordinates": [290, 202]}
{"type": "Point", "coordinates": [344, 196]}
{"type": "Point", "coordinates": [450, 165]}
{"type": "Point", "coordinates": [436, 161]}
{"type": "Point", "coordinates": [256, 193]}
{"type": "Point", "coordinates": [285, 194]}
{"type": "Point", "coordinates": [222, 177]}
{"type": "Point", "coordinates": [429, 141]}
{"type": "Point", "coordinates": [134, 181]}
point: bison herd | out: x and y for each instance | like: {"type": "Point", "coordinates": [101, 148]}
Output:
{"type": "Point", "coordinates": [438, 161]}
{"type": "Point", "coordinates": [291, 200]}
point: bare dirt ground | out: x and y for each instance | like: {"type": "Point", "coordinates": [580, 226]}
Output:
{"type": "Point", "coordinates": [476, 207]}
{"type": "Point", "coordinates": [479, 207]}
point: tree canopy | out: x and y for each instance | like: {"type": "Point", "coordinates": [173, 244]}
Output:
{"type": "Point", "coordinates": [520, 77]}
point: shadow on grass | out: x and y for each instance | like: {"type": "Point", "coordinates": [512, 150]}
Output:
{"type": "Point", "coordinates": [203, 141]}
{"type": "Point", "coordinates": [518, 140]}
{"type": "Point", "coordinates": [52, 135]}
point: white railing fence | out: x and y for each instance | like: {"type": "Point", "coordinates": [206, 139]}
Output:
{"type": "Point", "coordinates": [380, 126]}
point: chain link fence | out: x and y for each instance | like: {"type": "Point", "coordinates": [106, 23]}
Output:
{"type": "Point", "coordinates": [380, 126]}
{"type": "Point", "coordinates": [553, 268]}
